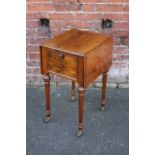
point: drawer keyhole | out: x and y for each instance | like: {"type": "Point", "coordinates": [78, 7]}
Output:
{"type": "Point", "coordinates": [61, 56]}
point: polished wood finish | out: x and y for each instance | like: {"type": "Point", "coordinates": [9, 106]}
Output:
{"type": "Point", "coordinates": [80, 56]}
{"type": "Point", "coordinates": [104, 82]}
{"type": "Point", "coordinates": [73, 92]}
{"type": "Point", "coordinates": [43, 60]}
{"type": "Point", "coordinates": [76, 42]}
{"type": "Point", "coordinates": [98, 61]}
{"type": "Point", "coordinates": [81, 110]}
{"type": "Point", "coordinates": [62, 63]}
{"type": "Point", "coordinates": [47, 79]}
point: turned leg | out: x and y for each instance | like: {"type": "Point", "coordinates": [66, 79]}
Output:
{"type": "Point", "coordinates": [81, 111]}
{"type": "Point", "coordinates": [72, 98]}
{"type": "Point", "coordinates": [104, 82]}
{"type": "Point", "coordinates": [47, 79]}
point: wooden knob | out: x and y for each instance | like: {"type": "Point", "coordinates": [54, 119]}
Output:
{"type": "Point", "coordinates": [61, 56]}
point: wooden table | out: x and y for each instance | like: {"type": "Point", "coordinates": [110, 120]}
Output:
{"type": "Point", "coordinates": [80, 56]}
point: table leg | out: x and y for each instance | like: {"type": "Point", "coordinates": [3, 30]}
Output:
{"type": "Point", "coordinates": [47, 79]}
{"type": "Point", "coordinates": [104, 82]}
{"type": "Point", "coordinates": [81, 111]}
{"type": "Point", "coordinates": [72, 98]}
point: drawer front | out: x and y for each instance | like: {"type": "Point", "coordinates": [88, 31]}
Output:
{"type": "Point", "coordinates": [62, 63]}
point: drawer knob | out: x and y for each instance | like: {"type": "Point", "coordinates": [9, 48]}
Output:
{"type": "Point", "coordinates": [61, 56]}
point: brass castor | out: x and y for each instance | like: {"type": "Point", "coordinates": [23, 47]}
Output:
{"type": "Point", "coordinates": [72, 99]}
{"type": "Point", "coordinates": [101, 108]}
{"type": "Point", "coordinates": [47, 119]}
{"type": "Point", "coordinates": [80, 133]}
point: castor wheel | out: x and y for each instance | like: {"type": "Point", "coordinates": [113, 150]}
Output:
{"type": "Point", "coordinates": [101, 108]}
{"type": "Point", "coordinates": [72, 99]}
{"type": "Point", "coordinates": [47, 119]}
{"type": "Point", "coordinates": [80, 133]}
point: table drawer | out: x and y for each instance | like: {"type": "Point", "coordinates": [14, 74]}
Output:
{"type": "Point", "coordinates": [62, 63]}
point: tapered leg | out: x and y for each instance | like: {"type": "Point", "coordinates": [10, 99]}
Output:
{"type": "Point", "coordinates": [72, 98]}
{"type": "Point", "coordinates": [47, 79]}
{"type": "Point", "coordinates": [104, 82]}
{"type": "Point", "coordinates": [81, 111]}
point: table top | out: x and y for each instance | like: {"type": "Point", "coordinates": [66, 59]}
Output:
{"type": "Point", "coordinates": [76, 42]}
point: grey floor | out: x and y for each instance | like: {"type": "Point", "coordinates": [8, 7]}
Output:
{"type": "Point", "coordinates": [106, 133]}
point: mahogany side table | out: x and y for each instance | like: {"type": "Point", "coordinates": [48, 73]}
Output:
{"type": "Point", "coordinates": [80, 56]}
